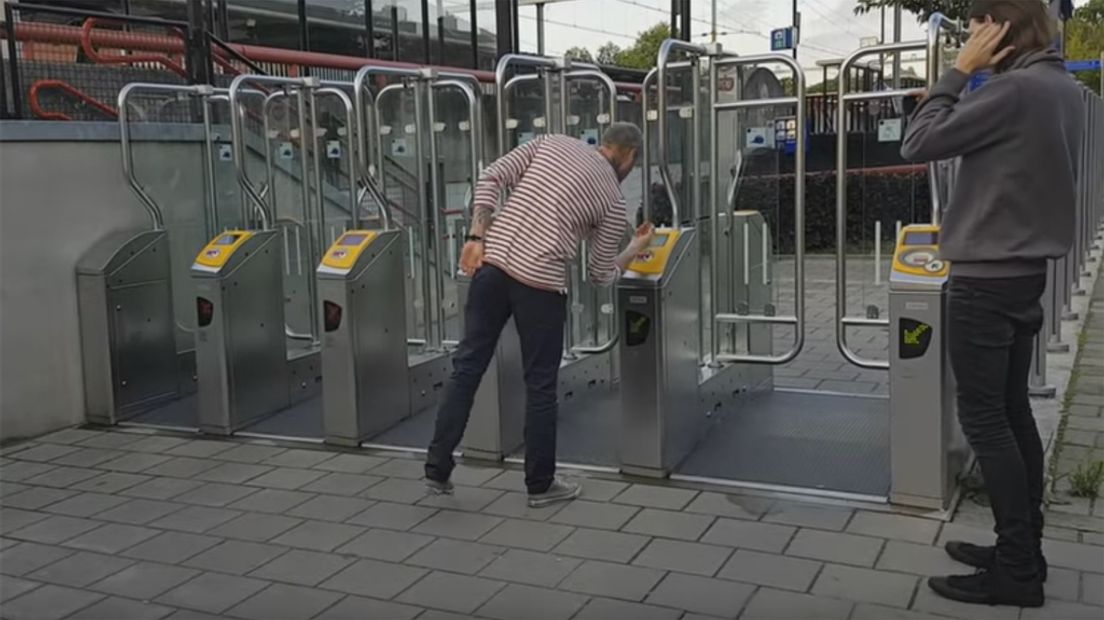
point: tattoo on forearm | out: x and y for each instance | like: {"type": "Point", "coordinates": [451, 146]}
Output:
{"type": "Point", "coordinates": [482, 219]}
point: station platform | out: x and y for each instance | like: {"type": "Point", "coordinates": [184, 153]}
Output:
{"type": "Point", "coordinates": [137, 523]}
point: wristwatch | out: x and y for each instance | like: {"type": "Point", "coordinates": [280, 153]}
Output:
{"type": "Point", "coordinates": [473, 238]}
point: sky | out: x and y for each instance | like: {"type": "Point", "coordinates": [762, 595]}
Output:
{"type": "Point", "coordinates": [830, 29]}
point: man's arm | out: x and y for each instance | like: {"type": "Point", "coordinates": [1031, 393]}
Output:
{"type": "Point", "coordinates": [945, 126]}
{"type": "Point", "coordinates": [605, 264]}
{"type": "Point", "coordinates": [502, 175]}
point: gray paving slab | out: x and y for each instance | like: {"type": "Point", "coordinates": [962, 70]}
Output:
{"type": "Point", "coordinates": [651, 496]}
{"type": "Point", "coordinates": [215, 494]}
{"type": "Point", "coordinates": [669, 524]}
{"type": "Point", "coordinates": [115, 608]}
{"type": "Point", "coordinates": [374, 579]}
{"type": "Point", "coordinates": [835, 547]}
{"type": "Point", "coordinates": [305, 568]}
{"type": "Point", "coordinates": [401, 468]}
{"type": "Point", "coordinates": [1077, 556]}
{"type": "Point", "coordinates": [767, 569]}
{"type": "Point", "coordinates": [18, 560]}
{"type": "Point", "coordinates": [464, 499]}
{"type": "Point", "coordinates": [62, 476]}
{"type": "Point", "coordinates": [391, 516]}
{"type": "Point", "coordinates": [385, 545]}
{"type": "Point", "coordinates": [134, 462]}
{"type": "Point", "coordinates": [144, 580]}
{"type": "Point", "coordinates": [1064, 610]}
{"type": "Point", "coordinates": [232, 473]}
{"type": "Point", "coordinates": [162, 488]}
{"type": "Point", "coordinates": [44, 452]}
{"type": "Point", "coordinates": [1063, 584]}
{"type": "Point", "coordinates": [80, 569]}
{"type": "Point", "coordinates": [519, 601]}
{"type": "Point", "coordinates": [897, 527]}
{"type": "Point", "coordinates": [1092, 589]}
{"type": "Point", "coordinates": [318, 535]}
{"type": "Point", "coordinates": [610, 609]}
{"type": "Point", "coordinates": [770, 604]}
{"type": "Point", "coordinates": [870, 611]}
{"type": "Point", "coordinates": [467, 474]}
{"type": "Point", "coordinates": [530, 567]}
{"type": "Point", "coordinates": [284, 601]}
{"type": "Point", "coordinates": [248, 453]}
{"type": "Point", "coordinates": [612, 580]}
{"type": "Point", "coordinates": [55, 529]}
{"type": "Point", "coordinates": [235, 557]}
{"type": "Point", "coordinates": [928, 602]}
{"type": "Point", "coordinates": [456, 556]}
{"type": "Point", "coordinates": [360, 608]}
{"type": "Point", "coordinates": [11, 587]}
{"type": "Point", "coordinates": [196, 519]}
{"type": "Point", "coordinates": [14, 519]}
{"type": "Point", "coordinates": [287, 478]}
{"type": "Point", "coordinates": [69, 436]}
{"type": "Point", "coordinates": [450, 592]}
{"type": "Point", "coordinates": [524, 534]}
{"type": "Point", "coordinates": [85, 504]}
{"type": "Point", "coordinates": [88, 457]}
{"type": "Point", "coordinates": [862, 584]}
{"type": "Point", "coordinates": [212, 592]}
{"type": "Point", "coordinates": [140, 511]}
{"type": "Point", "coordinates": [731, 506]}
{"type": "Point", "coordinates": [602, 545]}
{"type": "Point", "coordinates": [715, 597]}
{"type": "Point", "coordinates": [112, 538]}
{"type": "Point", "coordinates": [683, 557]}
{"type": "Point", "coordinates": [805, 515]}
{"type": "Point", "coordinates": [201, 448]}
{"type": "Point", "coordinates": [516, 505]}
{"type": "Point", "coordinates": [22, 470]}
{"type": "Point", "coordinates": [110, 483]}
{"type": "Point", "coordinates": [191, 614]}
{"type": "Point", "coordinates": [157, 444]}
{"type": "Point", "coordinates": [49, 602]}
{"type": "Point", "coordinates": [342, 484]}
{"type": "Point", "coordinates": [599, 490]}
{"type": "Point", "coordinates": [272, 501]}
{"type": "Point", "coordinates": [396, 490]}
{"type": "Point", "coordinates": [299, 458]}
{"type": "Point", "coordinates": [917, 559]}
{"type": "Point", "coordinates": [749, 535]}
{"type": "Point", "coordinates": [171, 547]}
{"type": "Point", "coordinates": [509, 480]}
{"type": "Point", "coordinates": [183, 467]}
{"type": "Point", "coordinates": [584, 513]}
{"type": "Point", "coordinates": [255, 527]}
{"type": "Point", "coordinates": [351, 463]}
{"type": "Point", "coordinates": [330, 508]}
{"type": "Point", "coordinates": [462, 525]}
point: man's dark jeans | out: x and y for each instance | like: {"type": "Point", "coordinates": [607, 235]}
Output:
{"type": "Point", "coordinates": [993, 324]}
{"type": "Point", "coordinates": [539, 317]}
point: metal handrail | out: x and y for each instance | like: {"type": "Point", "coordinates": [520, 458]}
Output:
{"type": "Point", "coordinates": [475, 125]}
{"type": "Point", "coordinates": [645, 144]}
{"type": "Point", "coordinates": [504, 64]}
{"type": "Point", "coordinates": [350, 144]}
{"type": "Point", "coordinates": [798, 319]}
{"type": "Point", "coordinates": [929, 45]}
{"type": "Point", "coordinates": [157, 220]}
{"type": "Point", "coordinates": [662, 156]}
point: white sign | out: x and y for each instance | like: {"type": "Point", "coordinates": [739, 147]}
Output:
{"type": "Point", "coordinates": [399, 147]}
{"type": "Point", "coordinates": [333, 149]}
{"type": "Point", "coordinates": [868, 41]}
{"type": "Point", "coordinates": [759, 137]}
{"type": "Point", "coordinates": [225, 153]}
{"type": "Point", "coordinates": [525, 136]}
{"type": "Point", "coordinates": [285, 150]}
{"type": "Point", "coordinates": [590, 136]}
{"type": "Point", "coordinates": [889, 130]}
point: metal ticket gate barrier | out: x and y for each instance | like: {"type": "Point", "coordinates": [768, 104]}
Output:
{"type": "Point", "coordinates": [380, 385]}
{"type": "Point", "coordinates": [926, 447]}
{"type": "Point", "coordinates": [124, 293]}
{"type": "Point", "coordinates": [496, 427]}
{"type": "Point", "coordinates": [247, 371]}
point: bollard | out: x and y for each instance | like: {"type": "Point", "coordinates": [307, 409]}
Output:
{"type": "Point", "coordinates": [1037, 380]}
{"type": "Point", "coordinates": [1052, 323]}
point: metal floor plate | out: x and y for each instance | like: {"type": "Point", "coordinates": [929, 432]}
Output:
{"type": "Point", "coordinates": [301, 420]}
{"type": "Point", "coordinates": [817, 441]}
{"type": "Point", "coordinates": [182, 413]}
{"type": "Point", "coordinates": [413, 432]}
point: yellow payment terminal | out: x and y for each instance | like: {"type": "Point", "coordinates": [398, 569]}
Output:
{"type": "Point", "coordinates": [344, 253]}
{"type": "Point", "coordinates": [217, 253]}
{"type": "Point", "coordinates": [917, 254]}
{"type": "Point", "coordinates": [653, 260]}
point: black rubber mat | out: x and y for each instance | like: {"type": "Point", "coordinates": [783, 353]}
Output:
{"type": "Point", "coordinates": [182, 413]}
{"type": "Point", "coordinates": [303, 420]}
{"type": "Point", "coordinates": [413, 432]}
{"type": "Point", "coordinates": [808, 440]}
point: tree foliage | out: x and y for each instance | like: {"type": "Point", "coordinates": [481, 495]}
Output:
{"type": "Point", "coordinates": [955, 9]}
{"type": "Point", "coordinates": [579, 53]}
{"type": "Point", "coordinates": [608, 53]}
{"type": "Point", "coordinates": [642, 54]}
{"type": "Point", "coordinates": [1085, 39]}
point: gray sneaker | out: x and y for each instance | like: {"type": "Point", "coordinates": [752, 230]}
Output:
{"type": "Point", "coordinates": [558, 491]}
{"type": "Point", "coordinates": [438, 488]}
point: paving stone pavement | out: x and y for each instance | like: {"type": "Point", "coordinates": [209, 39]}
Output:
{"type": "Point", "coordinates": [359, 538]}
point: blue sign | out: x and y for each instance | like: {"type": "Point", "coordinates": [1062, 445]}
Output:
{"type": "Point", "coordinates": [783, 39]}
{"type": "Point", "coordinates": [1073, 66]}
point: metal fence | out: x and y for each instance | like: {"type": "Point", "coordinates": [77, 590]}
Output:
{"type": "Point", "coordinates": [1064, 274]}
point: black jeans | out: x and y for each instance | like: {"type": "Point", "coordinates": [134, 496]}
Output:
{"type": "Point", "coordinates": [993, 324]}
{"type": "Point", "coordinates": [539, 316]}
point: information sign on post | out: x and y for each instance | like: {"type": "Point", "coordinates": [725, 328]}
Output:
{"type": "Point", "coordinates": [783, 39]}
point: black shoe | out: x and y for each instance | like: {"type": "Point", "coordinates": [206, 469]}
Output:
{"type": "Point", "coordinates": [989, 588]}
{"type": "Point", "coordinates": [981, 556]}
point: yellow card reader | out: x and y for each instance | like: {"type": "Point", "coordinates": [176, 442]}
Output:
{"type": "Point", "coordinates": [653, 260]}
{"type": "Point", "coordinates": [344, 253]}
{"type": "Point", "coordinates": [217, 253]}
{"type": "Point", "coordinates": [917, 254]}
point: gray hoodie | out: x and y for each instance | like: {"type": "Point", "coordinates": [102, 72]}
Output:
{"type": "Point", "coordinates": [1019, 136]}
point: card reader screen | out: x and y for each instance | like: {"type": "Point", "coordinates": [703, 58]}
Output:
{"type": "Point", "coordinates": [658, 241]}
{"type": "Point", "coordinates": [921, 238]}
{"type": "Point", "coordinates": [353, 240]}
{"type": "Point", "coordinates": [227, 239]}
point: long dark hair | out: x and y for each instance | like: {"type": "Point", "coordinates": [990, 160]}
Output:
{"type": "Point", "coordinates": [1032, 26]}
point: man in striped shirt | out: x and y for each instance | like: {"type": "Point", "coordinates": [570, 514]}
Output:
{"type": "Point", "coordinates": [561, 192]}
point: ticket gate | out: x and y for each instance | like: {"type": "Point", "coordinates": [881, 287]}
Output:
{"type": "Point", "coordinates": [374, 390]}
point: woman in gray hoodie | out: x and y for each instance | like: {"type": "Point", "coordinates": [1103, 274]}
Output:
{"type": "Point", "coordinates": [1012, 209]}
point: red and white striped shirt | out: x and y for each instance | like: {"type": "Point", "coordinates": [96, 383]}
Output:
{"type": "Point", "coordinates": [562, 191]}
